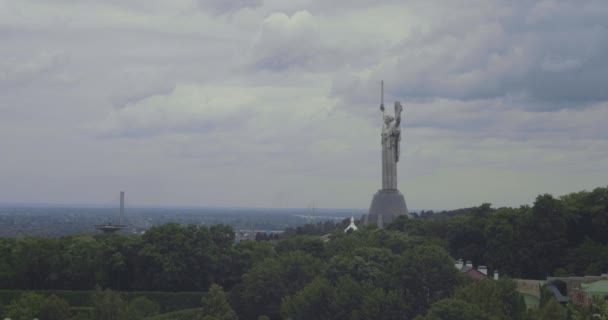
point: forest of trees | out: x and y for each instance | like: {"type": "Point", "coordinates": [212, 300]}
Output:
{"type": "Point", "coordinates": [563, 236]}
{"type": "Point", "coordinates": [405, 271]}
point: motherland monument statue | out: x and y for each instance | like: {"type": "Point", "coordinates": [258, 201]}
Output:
{"type": "Point", "coordinates": [388, 202]}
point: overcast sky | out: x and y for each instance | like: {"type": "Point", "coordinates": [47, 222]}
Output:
{"type": "Point", "coordinates": [274, 103]}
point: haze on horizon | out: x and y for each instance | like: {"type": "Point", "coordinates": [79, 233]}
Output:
{"type": "Point", "coordinates": [269, 103]}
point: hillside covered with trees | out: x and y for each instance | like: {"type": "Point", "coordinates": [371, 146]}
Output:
{"type": "Point", "coordinates": [563, 236]}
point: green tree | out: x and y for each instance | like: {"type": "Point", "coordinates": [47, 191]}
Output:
{"type": "Point", "coordinates": [362, 264]}
{"type": "Point", "coordinates": [36, 259]}
{"type": "Point", "coordinates": [215, 305]}
{"type": "Point", "coordinates": [79, 262]}
{"type": "Point", "coordinates": [499, 298]}
{"type": "Point", "coordinates": [427, 273]}
{"type": "Point", "coordinates": [309, 244]}
{"type": "Point", "coordinates": [55, 308]}
{"type": "Point", "coordinates": [7, 261]}
{"type": "Point", "coordinates": [349, 297]}
{"type": "Point", "coordinates": [109, 305]}
{"type": "Point", "coordinates": [454, 309]}
{"type": "Point", "coordinates": [26, 307]}
{"type": "Point", "coordinates": [142, 307]}
{"type": "Point", "coordinates": [268, 282]}
{"type": "Point", "coordinates": [588, 215]}
{"type": "Point", "coordinates": [381, 304]}
{"type": "Point", "coordinates": [315, 301]}
{"type": "Point", "coordinates": [116, 261]}
{"type": "Point", "coordinates": [547, 238]}
{"type": "Point", "coordinates": [501, 233]}
{"type": "Point", "coordinates": [599, 309]}
{"type": "Point", "coordinates": [466, 236]}
{"type": "Point", "coordinates": [552, 310]}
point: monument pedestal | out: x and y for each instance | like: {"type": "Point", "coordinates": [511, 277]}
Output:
{"type": "Point", "coordinates": [387, 205]}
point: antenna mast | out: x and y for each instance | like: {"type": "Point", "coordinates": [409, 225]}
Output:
{"type": "Point", "coordinates": [122, 206]}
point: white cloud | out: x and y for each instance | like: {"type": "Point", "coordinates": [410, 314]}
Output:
{"type": "Point", "coordinates": [188, 108]}
{"type": "Point", "coordinates": [24, 68]}
{"type": "Point", "coordinates": [286, 41]}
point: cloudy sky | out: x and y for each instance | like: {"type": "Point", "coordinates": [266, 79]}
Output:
{"type": "Point", "coordinates": [274, 103]}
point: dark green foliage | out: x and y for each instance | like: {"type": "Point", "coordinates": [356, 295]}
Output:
{"type": "Point", "coordinates": [347, 299]}
{"type": "Point", "coordinates": [309, 244]}
{"type": "Point", "coordinates": [169, 257]}
{"type": "Point", "coordinates": [82, 313]}
{"type": "Point", "coordinates": [36, 262]}
{"type": "Point", "coordinates": [215, 305]}
{"type": "Point", "coordinates": [25, 307]}
{"type": "Point", "coordinates": [564, 235]}
{"type": "Point", "coordinates": [312, 302]}
{"type": "Point", "coordinates": [366, 264]}
{"type": "Point", "coordinates": [502, 236]}
{"type": "Point", "coordinates": [454, 309]}
{"type": "Point", "coordinates": [466, 234]}
{"type": "Point", "coordinates": [268, 282]}
{"type": "Point", "coordinates": [184, 258]}
{"type": "Point", "coordinates": [499, 298]}
{"type": "Point", "coordinates": [142, 307]}
{"type": "Point", "coordinates": [186, 314]}
{"type": "Point", "coordinates": [384, 305]}
{"type": "Point", "coordinates": [109, 305]}
{"type": "Point", "coordinates": [167, 301]}
{"type": "Point", "coordinates": [427, 274]}
{"type": "Point", "coordinates": [8, 273]}
{"type": "Point", "coordinates": [55, 308]}
{"type": "Point", "coordinates": [552, 310]}
{"type": "Point", "coordinates": [376, 275]}
{"type": "Point", "coordinates": [590, 258]}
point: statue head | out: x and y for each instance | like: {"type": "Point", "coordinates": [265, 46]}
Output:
{"type": "Point", "coordinates": [398, 105]}
{"type": "Point", "coordinates": [388, 119]}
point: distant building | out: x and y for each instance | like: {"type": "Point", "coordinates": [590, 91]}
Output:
{"type": "Point", "coordinates": [240, 235]}
{"type": "Point", "coordinates": [581, 290]}
{"type": "Point", "coordinates": [530, 290]}
{"type": "Point", "coordinates": [481, 273]}
{"type": "Point", "coordinates": [351, 227]}
{"type": "Point", "coordinates": [587, 291]}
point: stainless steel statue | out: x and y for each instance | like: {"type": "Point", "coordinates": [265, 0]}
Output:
{"type": "Point", "coordinates": [391, 135]}
{"type": "Point", "coordinates": [388, 203]}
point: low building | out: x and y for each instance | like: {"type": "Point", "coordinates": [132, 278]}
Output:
{"type": "Point", "coordinates": [530, 290]}
{"type": "Point", "coordinates": [586, 292]}
{"type": "Point", "coordinates": [481, 273]}
{"type": "Point", "coordinates": [578, 289]}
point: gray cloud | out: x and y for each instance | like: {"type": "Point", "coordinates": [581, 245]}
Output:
{"type": "Point", "coordinates": [18, 69]}
{"type": "Point", "coordinates": [246, 102]}
{"type": "Point", "coordinates": [223, 7]}
{"type": "Point", "coordinates": [305, 42]}
{"type": "Point", "coordinates": [554, 61]}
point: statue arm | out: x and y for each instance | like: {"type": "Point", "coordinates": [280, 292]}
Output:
{"type": "Point", "coordinates": [398, 110]}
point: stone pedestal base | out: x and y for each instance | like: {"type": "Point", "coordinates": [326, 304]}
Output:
{"type": "Point", "coordinates": [386, 206]}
